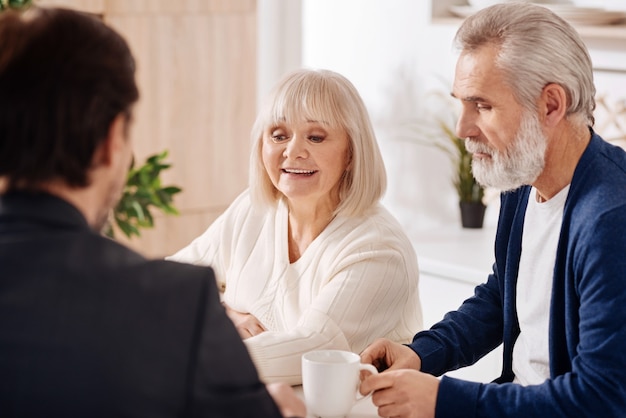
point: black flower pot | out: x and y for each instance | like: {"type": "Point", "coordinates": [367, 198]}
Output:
{"type": "Point", "coordinates": [472, 214]}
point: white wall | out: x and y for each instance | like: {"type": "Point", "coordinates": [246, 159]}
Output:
{"type": "Point", "coordinates": [279, 41]}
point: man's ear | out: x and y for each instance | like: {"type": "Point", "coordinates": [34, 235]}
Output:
{"type": "Point", "coordinates": [554, 104]}
{"type": "Point", "coordinates": [113, 143]}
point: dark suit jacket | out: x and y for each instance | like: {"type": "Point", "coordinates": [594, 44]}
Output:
{"type": "Point", "coordinates": [89, 328]}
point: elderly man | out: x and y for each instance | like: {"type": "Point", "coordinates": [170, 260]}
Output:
{"type": "Point", "coordinates": [556, 298]}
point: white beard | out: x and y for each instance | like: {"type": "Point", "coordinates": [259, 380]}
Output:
{"type": "Point", "coordinates": [520, 164]}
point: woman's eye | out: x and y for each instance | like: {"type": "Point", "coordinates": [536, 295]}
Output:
{"type": "Point", "coordinates": [316, 139]}
{"type": "Point", "coordinates": [278, 137]}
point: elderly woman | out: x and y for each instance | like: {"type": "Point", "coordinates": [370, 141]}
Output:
{"type": "Point", "coordinates": [307, 256]}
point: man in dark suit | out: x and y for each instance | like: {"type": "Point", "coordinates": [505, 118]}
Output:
{"type": "Point", "coordinates": [89, 328]}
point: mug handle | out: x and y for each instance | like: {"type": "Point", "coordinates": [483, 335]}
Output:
{"type": "Point", "coordinates": [370, 368]}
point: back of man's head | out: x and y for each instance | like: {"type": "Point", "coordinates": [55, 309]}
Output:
{"type": "Point", "coordinates": [64, 77]}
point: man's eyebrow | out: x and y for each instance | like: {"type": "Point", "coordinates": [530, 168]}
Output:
{"type": "Point", "coordinates": [471, 99]}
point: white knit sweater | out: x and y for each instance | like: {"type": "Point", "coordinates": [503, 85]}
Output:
{"type": "Point", "coordinates": [357, 281]}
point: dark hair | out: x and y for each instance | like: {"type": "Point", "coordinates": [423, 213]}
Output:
{"type": "Point", "coordinates": [64, 77]}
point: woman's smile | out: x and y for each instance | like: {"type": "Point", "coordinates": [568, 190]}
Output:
{"type": "Point", "coordinates": [299, 172]}
{"type": "Point", "coordinates": [306, 160]}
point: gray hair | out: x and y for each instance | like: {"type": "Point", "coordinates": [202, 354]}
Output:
{"type": "Point", "coordinates": [328, 96]}
{"type": "Point", "coordinates": [537, 48]}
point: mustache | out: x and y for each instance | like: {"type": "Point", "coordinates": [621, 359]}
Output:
{"type": "Point", "coordinates": [472, 146]}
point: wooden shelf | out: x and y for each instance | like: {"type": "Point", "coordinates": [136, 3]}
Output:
{"type": "Point", "coordinates": [441, 15]}
{"type": "Point", "coordinates": [604, 32]}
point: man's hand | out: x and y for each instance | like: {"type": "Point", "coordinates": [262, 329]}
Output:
{"type": "Point", "coordinates": [385, 354]}
{"type": "Point", "coordinates": [247, 324]}
{"type": "Point", "coordinates": [401, 390]}
{"type": "Point", "coordinates": [403, 393]}
{"type": "Point", "coordinates": [288, 402]}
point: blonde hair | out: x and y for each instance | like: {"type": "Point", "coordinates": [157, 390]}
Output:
{"type": "Point", "coordinates": [323, 95]}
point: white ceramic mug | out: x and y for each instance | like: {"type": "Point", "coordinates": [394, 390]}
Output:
{"type": "Point", "coordinates": [330, 381]}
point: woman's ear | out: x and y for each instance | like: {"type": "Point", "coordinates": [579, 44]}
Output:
{"type": "Point", "coordinates": [553, 104]}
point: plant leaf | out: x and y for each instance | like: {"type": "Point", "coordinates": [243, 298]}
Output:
{"type": "Point", "coordinates": [143, 190]}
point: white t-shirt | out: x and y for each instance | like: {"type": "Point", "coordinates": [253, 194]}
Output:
{"type": "Point", "coordinates": [542, 227]}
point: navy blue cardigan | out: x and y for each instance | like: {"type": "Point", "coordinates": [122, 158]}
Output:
{"type": "Point", "coordinates": [587, 312]}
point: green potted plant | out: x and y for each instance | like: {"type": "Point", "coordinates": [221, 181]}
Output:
{"type": "Point", "coordinates": [437, 131]}
{"type": "Point", "coordinates": [470, 193]}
